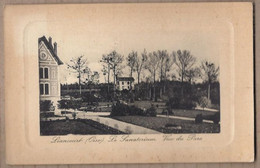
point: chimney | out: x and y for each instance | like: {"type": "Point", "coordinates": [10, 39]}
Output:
{"type": "Point", "coordinates": [55, 48]}
{"type": "Point", "coordinates": [50, 41]}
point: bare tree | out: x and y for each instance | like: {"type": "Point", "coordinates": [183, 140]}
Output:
{"type": "Point", "coordinates": [152, 64]}
{"type": "Point", "coordinates": [78, 65]}
{"type": "Point", "coordinates": [87, 73]}
{"type": "Point", "coordinates": [105, 72]}
{"type": "Point", "coordinates": [166, 63]}
{"type": "Point", "coordinates": [192, 74]}
{"type": "Point", "coordinates": [139, 65]}
{"type": "Point", "coordinates": [106, 60]}
{"type": "Point", "coordinates": [115, 63]}
{"type": "Point", "coordinates": [169, 61]}
{"type": "Point", "coordinates": [209, 72]}
{"type": "Point", "coordinates": [162, 54]}
{"type": "Point", "coordinates": [131, 61]}
{"type": "Point", "coordinates": [95, 77]}
{"type": "Point", "coordinates": [184, 61]}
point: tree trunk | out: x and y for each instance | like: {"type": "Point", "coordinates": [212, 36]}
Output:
{"type": "Point", "coordinates": [150, 93]}
{"type": "Point", "coordinates": [108, 78]}
{"type": "Point", "coordinates": [79, 84]}
{"type": "Point", "coordinates": [209, 91]}
{"type": "Point", "coordinates": [114, 78]}
{"type": "Point", "coordinates": [164, 87]}
{"type": "Point", "coordinates": [182, 85]}
{"type": "Point", "coordinates": [161, 77]}
{"type": "Point", "coordinates": [154, 95]}
{"type": "Point", "coordinates": [138, 77]}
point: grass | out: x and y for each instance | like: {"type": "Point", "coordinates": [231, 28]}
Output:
{"type": "Point", "coordinates": [169, 125]}
{"type": "Point", "coordinates": [177, 112]}
{"type": "Point", "coordinates": [191, 113]}
{"type": "Point", "coordinates": [83, 127]}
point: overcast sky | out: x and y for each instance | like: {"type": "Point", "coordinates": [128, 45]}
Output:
{"type": "Point", "coordinates": [100, 30]}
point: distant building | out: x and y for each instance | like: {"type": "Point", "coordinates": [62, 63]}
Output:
{"type": "Point", "coordinates": [124, 83]}
{"type": "Point", "coordinates": [49, 70]}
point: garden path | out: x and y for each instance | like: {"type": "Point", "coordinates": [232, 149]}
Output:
{"type": "Point", "coordinates": [102, 118]}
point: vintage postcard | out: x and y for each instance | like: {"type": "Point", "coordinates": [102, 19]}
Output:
{"type": "Point", "coordinates": [129, 83]}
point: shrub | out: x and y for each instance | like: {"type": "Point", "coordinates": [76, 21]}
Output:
{"type": "Point", "coordinates": [215, 118]}
{"type": "Point", "coordinates": [167, 111]}
{"type": "Point", "coordinates": [198, 119]}
{"type": "Point", "coordinates": [45, 105]}
{"type": "Point", "coordinates": [74, 115]}
{"type": "Point", "coordinates": [67, 104]}
{"type": "Point", "coordinates": [120, 109]}
{"type": "Point", "coordinates": [204, 102]}
{"type": "Point", "coordinates": [90, 98]}
{"type": "Point", "coordinates": [63, 104]}
{"type": "Point", "coordinates": [151, 112]}
{"type": "Point", "coordinates": [47, 114]}
{"type": "Point", "coordinates": [67, 118]}
{"type": "Point", "coordinates": [75, 104]}
{"type": "Point", "coordinates": [133, 110]}
{"type": "Point", "coordinates": [181, 103]}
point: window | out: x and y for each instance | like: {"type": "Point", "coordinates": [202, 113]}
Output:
{"type": "Point", "coordinates": [128, 82]}
{"type": "Point", "coordinates": [44, 89]}
{"type": "Point", "coordinates": [41, 73]}
{"type": "Point", "coordinates": [41, 89]}
{"type": "Point", "coordinates": [122, 83]}
{"type": "Point", "coordinates": [44, 73]}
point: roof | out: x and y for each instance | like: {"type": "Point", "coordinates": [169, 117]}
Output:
{"type": "Point", "coordinates": [125, 78]}
{"type": "Point", "coordinates": [50, 48]}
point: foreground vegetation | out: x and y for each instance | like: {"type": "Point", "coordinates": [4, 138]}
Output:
{"type": "Point", "coordinates": [170, 125]}
{"type": "Point", "coordinates": [83, 127]}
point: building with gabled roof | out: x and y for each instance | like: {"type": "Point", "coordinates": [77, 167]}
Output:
{"type": "Point", "coordinates": [49, 62]}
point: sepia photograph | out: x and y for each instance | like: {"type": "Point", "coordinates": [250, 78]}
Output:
{"type": "Point", "coordinates": [129, 83]}
{"type": "Point", "coordinates": [115, 81]}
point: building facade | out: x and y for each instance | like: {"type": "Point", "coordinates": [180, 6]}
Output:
{"type": "Point", "coordinates": [124, 83]}
{"type": "Point", "coordinates": [49, 70]}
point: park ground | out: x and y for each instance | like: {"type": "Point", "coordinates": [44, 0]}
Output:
{"type": "Point", "coordinates": [89, 123]}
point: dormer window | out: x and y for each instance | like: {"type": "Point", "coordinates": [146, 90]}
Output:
{"type": "Point", "coordinates": [44, 73]}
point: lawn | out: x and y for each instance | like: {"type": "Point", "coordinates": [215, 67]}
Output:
{"type": "Point", "coordinates": [83, 127]}
{"type": "Point", "coordinates": [192, 113]}
{"type": "Point", "coordinates": [160, 106]}
{"type": "Point", "coordinates": [170, 125]}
